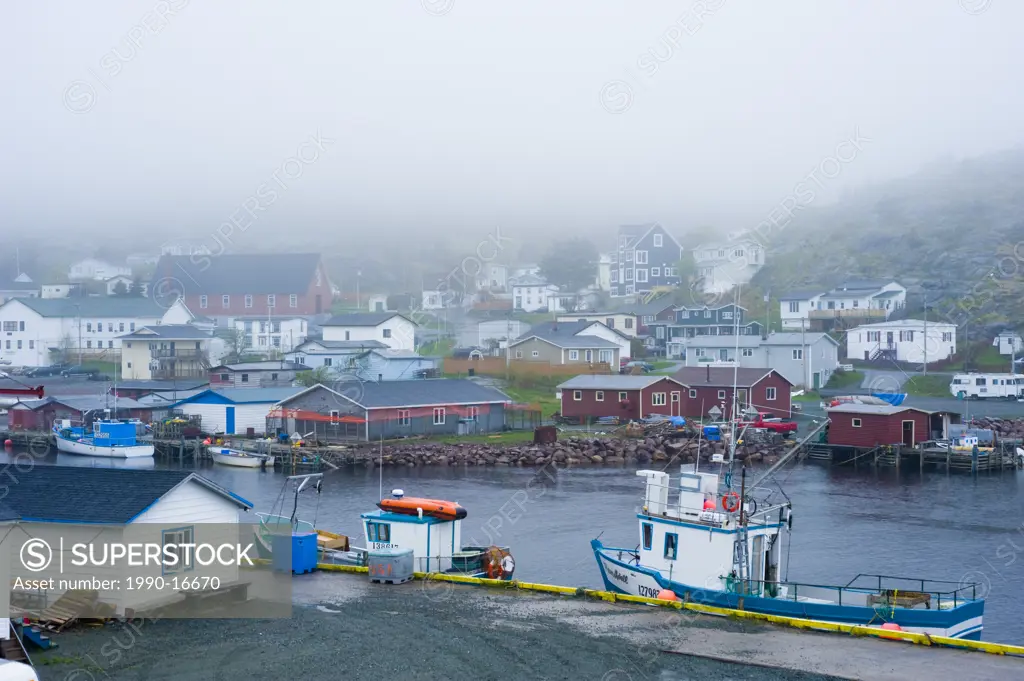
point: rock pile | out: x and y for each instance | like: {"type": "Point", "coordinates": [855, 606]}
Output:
{"type": "Point", "coordinates": [1004, 429]}
{"type": "Point", "coordinates": [569, 451]}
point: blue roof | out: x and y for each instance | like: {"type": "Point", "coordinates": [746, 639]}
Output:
{"type": "Point", "coordinates": [74, 494]}
{"type": "Point", "coordinates": [241, 396]}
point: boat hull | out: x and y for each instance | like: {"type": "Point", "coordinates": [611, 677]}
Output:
{"type": "Point", "coordinates": [232, 457]}
{"type": "Point", "coordinates": [86, 448]}
{"type": "Point", "coordinates": [620, 576]}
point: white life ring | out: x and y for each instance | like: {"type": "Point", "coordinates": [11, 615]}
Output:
{"type": "Point", "coordinates": [508, 565]}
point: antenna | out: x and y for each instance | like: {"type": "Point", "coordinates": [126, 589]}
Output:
{"type": "Point", "coordinates": [382, 463]}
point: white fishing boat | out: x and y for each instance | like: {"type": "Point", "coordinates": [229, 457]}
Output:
{"type": "Point", "coordinates": [238, 458]}
{"type": "Point", "coordinates": [108, 438]}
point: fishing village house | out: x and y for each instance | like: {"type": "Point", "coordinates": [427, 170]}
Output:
{"type": "Point", "coordinates": [646, 259]}
{"type": "Point", "coordinates": [39, 415]}
{"type": "Point", "coordinates": [591, 397]}
{"type": "Point", "coordinates": [568, 343]}
{"type": "Point", "coordinates": [52, 503]}
{"type": "Point", "coordinates": [396, 331]}
{"type": "Point", "coordinates": [623, 322]}
{"type": "Point", "coordinates": [252, 375]}
{"type": "Point", "coordinates": [38, 331]}
{"type": "Point", "coordinates": [263, 285]}
{"type": "Point", "coordinates": [492, 334]}
{"type": "Point", "coordinates": [531, 293]}
{"type": "Point", "coordinates": [19, 287]}
{"type": "Point", "coordinates": [279, 333]}
{"type": "Point", "coordinates": [723, 266]}
{"type": "Point", "coordinates": [92, 269]}
{"type": "Point", "coordinates": [694, 323]}
{"type": "Point", "coordinates": [849, 304]}
{"type": "Point", "coordinates": [603, 279]}
{"type": "Point", "coordinates": [708, 387]}
{"type": "Point", "coordinates": [370, 411]}
{"type": "Point", "coordinates": [335, 355]}
{"type": "Point", "coordinates": [234, 411]}
{"type": "Point", "coordinates": [60, 290]}
{"type": "Point", "coordinates": [172, 390]}
{"type": "Point", "coordinates": [1009, 343]}
{"type": "Point", "coordinates": [386, 364]}
{"type": "Point", "coordinates": [868, 425]}
{"type": "Point", "coordinates": [807, 360]}
{"type": "Point", "coordinates": [903, 340]}
{"type": "Point", "coordinates": [168, 352]}
{"type": "Point", "coordinates": [377, 303]}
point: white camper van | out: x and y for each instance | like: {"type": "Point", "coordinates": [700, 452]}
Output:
{"type": "Point", "coordinates": [984, 386]}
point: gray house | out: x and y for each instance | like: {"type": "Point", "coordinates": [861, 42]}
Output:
{"type": "Point", "coordinates": [391, 365]}
{"type": "Point", "coordinates": [804, 359]}
{"type": "Point", "coordinates": [570, 343]}
{"type": "Point", "coordinates": [357, 410]}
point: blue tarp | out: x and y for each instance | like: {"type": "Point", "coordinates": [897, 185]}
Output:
{"type": "Point", "coordinates": [895, 399]}
{"type": "Point", "coordinates": [678, 421]}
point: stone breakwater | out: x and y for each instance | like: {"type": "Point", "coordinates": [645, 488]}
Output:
{"type": "Point", "coordinates": [570, 451]}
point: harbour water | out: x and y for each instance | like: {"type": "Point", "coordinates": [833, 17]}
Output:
{"type": "Point", "coordinates": [846, 522]}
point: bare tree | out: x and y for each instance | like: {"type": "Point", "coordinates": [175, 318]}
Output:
{"type": "Point", "coordinates": [65, 346]}
{"type": "Point", "coordinates": [235, 339]}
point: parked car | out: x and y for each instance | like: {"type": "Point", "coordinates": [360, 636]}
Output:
{"type": "Point", "coordinates": [78, 370]}
{"type": "Point", "coordinates": [628, 367]}
{"type": "Point", "coordinates": [52, 370]}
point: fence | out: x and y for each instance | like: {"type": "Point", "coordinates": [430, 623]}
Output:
{"type": "Point", "coordinates": [496, 366]}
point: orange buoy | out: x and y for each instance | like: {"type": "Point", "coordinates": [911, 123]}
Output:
{"type": "Point", "coordinates": [667, 595]}
{"type": "Point", "coordinates": [8, 443]}
{"type": "Point", "coordinates": [709, 504]}
{"type": "Point", "coordinates": [892, 626]}
{"type": "Point", "coordinates": [207, 441]}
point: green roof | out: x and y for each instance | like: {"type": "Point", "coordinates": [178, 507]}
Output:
{"type": "Point", "coordinates": [105, 307]}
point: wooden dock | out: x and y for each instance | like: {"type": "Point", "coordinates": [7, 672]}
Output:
{"type": "Point", "coordinates": [1000, 459]}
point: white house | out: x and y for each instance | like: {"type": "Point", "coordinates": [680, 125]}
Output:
{"type": "Point", "coordinates": [492, 276]}
{"type": "Point", "coordinates": [433, 299]}
{"type": "Point", "coordinates": [532, 293]}
{"type": "Point", "coordinates": [235, 411]}
{"type": "Point", "coordinates": [59, 504]}
{"type": "Point", "coordinates": [626, 323]}
{"type": "Point", "coordinates": [112, 282]}
{"type": "Point", "coordinates": [723, 266]}
{"type": "Point", "coordinates": [522, 271]}
{"type": "Point", "coordinates": [276, 333]}
{"type": "Point", "coordinates": [63, 290]}
{"type": "Point", "coordinates": [39, 331]}
{"type": "Point", "coordinates": [390, 328]}
{"type": "Point", "coordinates": [804, 359]}
{"type": "Point", "coordinates": [1009, 343]}
{"type": "Point", "coordinates": [335, 355]}
{"type": "Point", "coordinates": [377, 303]}
{"type": "Point", "coordinates": [603, 280]}
{"type": "Point", "coordinates": [20, 287]}
{"type": "Point", "coordinates": [903, 340]}
{"type": "Point", "coordinates": [853, 299]}
{"type": "Point", "coordinates": [96, 270]}
{"type": "Point", "coordinates": [493, 330]}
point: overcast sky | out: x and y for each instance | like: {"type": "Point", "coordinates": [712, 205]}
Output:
{"type": "Point", "coordinates": [458, 115]}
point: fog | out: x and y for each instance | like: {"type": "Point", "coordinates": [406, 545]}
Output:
{"type": "Point", "coordinates": [448, 116]}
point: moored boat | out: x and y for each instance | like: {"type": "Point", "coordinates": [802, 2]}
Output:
{"type": "Point", "coordinates": [272, 524]}
{"type": "Point", "coordinates": [109, 438]}
{"type": "Point", "coordinates": [431, 508]}
{"type": "Point", "coordinates": [238, 458]}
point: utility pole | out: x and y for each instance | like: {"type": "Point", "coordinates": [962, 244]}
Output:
{"type": "Point", "coordinates": [359, 304]}
{"type": "Point", "coordinates": [925, 372]}
{"type": "Point", "coordinates": [78, 308]}
{"type": "Point", "coordinates": [803, 351]}
{"type": "Point", "coordinates": [508, 344]}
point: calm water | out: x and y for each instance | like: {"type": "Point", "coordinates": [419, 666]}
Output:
{"type": "Point", "coordinates": [845, 522]}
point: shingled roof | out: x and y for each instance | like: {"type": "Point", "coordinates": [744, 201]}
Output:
{"type": "Point", "coordinates": [424, 392]}
{"type": "Point", "coordinates": [80, 494]}
{"type": "Point", "coordinates": [723, 377]}
{"type": "Point", "coordinates": [239, 273]}
{"type": "Point", "coordinates": [93, 307]}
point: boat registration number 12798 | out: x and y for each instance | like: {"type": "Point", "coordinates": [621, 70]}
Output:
{"type": "Point", "coordinates": [648, 592]}
{"type": "Point", "coordinates": [383, 545]}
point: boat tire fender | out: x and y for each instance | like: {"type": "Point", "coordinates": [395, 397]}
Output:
{"type": "Point", "coordinates": [731, 502]}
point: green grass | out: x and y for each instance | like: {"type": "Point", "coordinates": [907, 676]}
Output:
{"type": "Point", "coordinates": [807, 397]}
{"type": "Point", "coordinates": [438, 348]}
{"type": "Point", "coordinates": [928, 386]}
{"type": "Point", "coordinates": [511, 437]}
{"type": "Point", "coordinates": [845, 379]}
{"type": "Point", "coordinates": [105, 368]}
{"type": "Point", "coordinates": [661, 366]}
{"type": "Point", "coordinates": [541, 393]}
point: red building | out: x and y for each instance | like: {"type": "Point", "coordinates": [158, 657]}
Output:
{"type": "Point", "coordinates": [765, 390]}
{"type": "Point", "coordinates": [870, 425]}
{"type": "Point", "coordinates": [39, 415]}
{"type": "Point", "coordinates": [627, 397]}
{"type": "Point", "coordinates": [250, 285]}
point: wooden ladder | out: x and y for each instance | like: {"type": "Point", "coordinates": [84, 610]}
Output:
{"type": "Point", "coordinates": [13, 649]}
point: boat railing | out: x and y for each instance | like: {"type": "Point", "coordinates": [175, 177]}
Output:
{"type": "Point", "coordinates": [873, 592]}
{"type": "Point", "coordinates": [962, 590]}
{"type": "Point", "coordinates": [279, 524]}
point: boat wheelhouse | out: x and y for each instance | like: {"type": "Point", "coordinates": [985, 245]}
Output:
{"type": "Point", "coordinates": [717, 547]}
{"type": "Point", "coordinates": [108, 438]}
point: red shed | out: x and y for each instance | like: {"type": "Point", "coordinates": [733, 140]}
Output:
{"type": "Point", "coordinates": [763, 389]}
{"type": "Point", "coordinates": [628, 397]}
{"type": "Point", "coordinates": [869, 425]}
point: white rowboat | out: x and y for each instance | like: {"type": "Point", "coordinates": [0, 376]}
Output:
{"type": "Point", "coordinates": [235, 457]}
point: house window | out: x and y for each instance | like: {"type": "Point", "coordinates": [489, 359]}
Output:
{"type": "Point", "coordinates": [675, 396]}
{"type": "Point", "coordinates": [10, 326]}
{"type": "Point", "coordinates": [273, 377]}
{"type": "Point", "coordinates": [798, 353]}
{"type": "Point", "coordinates": [245, 378]}
{"type": "Point", "coordinates": [31, 345]}
{"type": "Point", "coordinates": [574, 355]}
{"type": "Point", "coordinates": [131, 326]}
{"type": "Point", "coordinates": [110, 327]}
{"type": "Point", "coordinates": [610, 322]}
{"type": "Point", "coordinates": [657, 240]}
{"type": "Point", "coordinates": [403, 417]}
{"type": "Point", "coordinates": [379, 532]}
{"type": "Point", "coordinates": [173, 541]}
{"type": "Point", "coordinates": [721, 394]}
{"type": "Point", "coordinates": [387, 333]}
{"type": "Point", "coordinates": [88, 344]}
{"type": "Point", "coordinates": [671, 545]}
{"type": "Point", "coordinates": [693, 394]}
{"type": "Point", "coordinates": [88, 326]}
{"type": "Point", "coordinates": [110, 344]}
{"type": "Point", "coordinates": [19, 345]}
{"type": "Point", "coordinates": [535, 353]}
{"type": "Point", "coordinates": [577, 395]}
{"type": "Point", "coordinates": [658, 399]}
{"type": "Point", "coordinates": [293, 300]}
{"type": "Point", "coordinates": [629, 274]}
{"type": "Point", "coordinates": [641, 276]}
{"type": "Point", "coordinates": [120, 326]}
{"type": "Point", "coordinates": [794, 306]}
{"type": "Point", "coordinates": [439, 416]}
{"type": "Point", "coordinates": [202, 302]}
{"type": "Point", "coordinates": [248, 300]}
{"type": "Point", "coordinates": [328, 361]}
{"type": "Point", "coordinates": [473, 414]}
{"type": "Point", "coordinates": [271, 300]}
{"type": "Point", "coordinates": [698, 352]}
{"type": "Point", "coordinates": [648, 533]}
{"type": "Point", "coordinates": [727, 315]}
{"type": "Point", "coordinates": [629, 322]}
{"type": "Point", "coordinates": [623, 396]}
{"type": "Point", "coordinates": [225, 302]}
{"type": "Point", "coordinates": [599, 396]}
{"type": "Point", "coordinates": [769, 394]}
{"type": "Point", "coordinates": [656, 271]}
{"type": "Point", "coordinates": [519, 354]}
{"type": "Point", "coordinates": [641, 257]}
{"type": "Point", "coordinates": [748, 352]}
{"type": "Point", "coordinates": [224, 377]}
{"type": "Point", "coordinates": [707, 314]}
{"type": "Point", "coordinates": [856, 423]}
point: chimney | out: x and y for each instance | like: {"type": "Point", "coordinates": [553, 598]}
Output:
{"type": "Point", "coordinates": [709, 372]}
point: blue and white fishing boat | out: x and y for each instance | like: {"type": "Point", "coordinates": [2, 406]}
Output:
{"type": "Point", "coordinates": [713, 543]}
{"type": "Point", "coordinates": [108, 438]}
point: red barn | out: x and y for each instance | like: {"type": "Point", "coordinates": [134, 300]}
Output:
{"type": "Point", "coordinates": [766, 390]}
{"type": "Point", "coordinates": [869, 425]}
{"type": "Point", "coordinates": [627, 397]}
{"type": "Point", "coordinates": [250, 285]}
